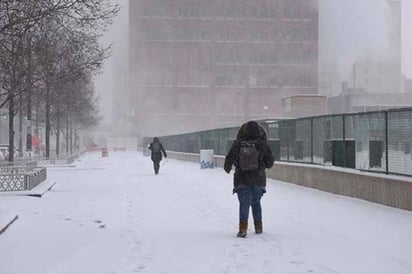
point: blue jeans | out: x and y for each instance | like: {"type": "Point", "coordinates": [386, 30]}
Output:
{"type": "Point", "coordinates": [250, 196]}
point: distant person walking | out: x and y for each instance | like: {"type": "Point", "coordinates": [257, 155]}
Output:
{"type": "Point", "coordinates": [157, 149]}
{"type": "Point", "coordinates": [251, 155]}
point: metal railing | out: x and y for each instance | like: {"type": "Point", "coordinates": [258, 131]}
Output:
{"type": "Point", "coordinates": [62, 160]}
{"type": "Point", "coordinates": [21, 178]}
{"type": "Point", "coordinates": [18, 164]}
{"type": "Point", "coordinates": [379, 141]}
{"type": "Point", "coordinates": [25, 175]}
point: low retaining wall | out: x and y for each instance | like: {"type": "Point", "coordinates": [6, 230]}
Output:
{"type": "Point", "coordinates": [194, 157]}
{"type": "Point", "coordinates": [35, 177]}
{"type": "Point", "coordinates": [390, 190]}
{"type": "Point", "coordinates": [188, 157]}
{"type": "Point", "coordinates": [21, 178]}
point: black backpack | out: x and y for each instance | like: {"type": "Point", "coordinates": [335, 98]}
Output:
{"type": "Point", "coordinates": [155, 147]}
{"type": "Point", "coordinates": [249, 156]}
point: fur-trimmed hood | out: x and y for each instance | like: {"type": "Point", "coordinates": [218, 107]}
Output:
{"type": "Point", "coordinates": [251, 130]}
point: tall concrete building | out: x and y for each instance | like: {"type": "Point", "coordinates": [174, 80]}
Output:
{"type": "Point", "coordinates": [197, 64]}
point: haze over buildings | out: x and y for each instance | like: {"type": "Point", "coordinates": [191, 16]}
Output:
{"type": "Point", "coordinates": [207, 64]}
{"type": "Point", "coordinates": [349, 31]}
{"type": "Point", "coordinates": [360, 44]}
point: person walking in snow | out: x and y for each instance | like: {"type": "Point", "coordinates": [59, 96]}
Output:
{"type": "Point", "coordinates": [157, 149]}
{"type": "Point", "coordinates": [250, 153]}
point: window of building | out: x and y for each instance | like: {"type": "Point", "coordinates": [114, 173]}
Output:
{"type": "Point", "coordinates": [307, 13]}
{"type": "Point", "coordinates": [252, 80]}
{"type": "Point", "coordinates": [190, 10]}
{"type": "Point", "coordinates": [228, 79]}
{"type": "Point", "coordinates": [265, 10]}
{"type": "Point", "coordinates": [272, 58]}
{"type": "Point", "coordinates": [291, 9]}
{"type": "Point", "coordinates": [156, 8]}
{"type": "Point", "coordinates": [306, 33]}
{"type": "Point", "coordinates": [273, 81]}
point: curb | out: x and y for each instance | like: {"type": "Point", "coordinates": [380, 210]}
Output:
{"type": "Point", "coordinates": [8, 224]}
{"type": "Point", "coordinates": [40, 194]}
{"type": "Point", "coordinates": [37, 192]}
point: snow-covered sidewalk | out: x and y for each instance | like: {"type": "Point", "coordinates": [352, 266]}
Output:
{"type": "Point", "coordinates": [113, 215]}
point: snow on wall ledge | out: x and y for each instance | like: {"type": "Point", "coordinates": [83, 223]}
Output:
{"type": "Point", "coordinates": [390, 190]}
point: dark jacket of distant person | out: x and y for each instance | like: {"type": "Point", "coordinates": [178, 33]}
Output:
{"type": "Point", "coordinates": [157, 156]}
{"type": "Point", "coordinates": [250, 131]}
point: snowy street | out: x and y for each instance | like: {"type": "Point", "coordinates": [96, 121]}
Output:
{"type": "Point", "coordinates": [113, 215]}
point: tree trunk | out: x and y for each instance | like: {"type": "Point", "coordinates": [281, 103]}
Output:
{"type": "Point", "coordinates": [36, 130]}
{"type": "Point", "coordinates": [29, 146]}
{"type": "Point", "coordinates": [20, 125]}
{"type": "Point", "coordinates": [48, 127]}
{"type": "Point", "coordinates": [11, 126]}
{"type": "Point", "coordinates": [58, 137]}
{"type": "Point", "coordinates": [76, 139]}
{"type": "Point", "coordinates": [71, 138]}
{"type": "Point", "coordinates": [67, 134]}
{"type": "Point", "coordinates": [29, 99]}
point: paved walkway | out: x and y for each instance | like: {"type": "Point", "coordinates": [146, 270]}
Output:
{"type": "Point", "coordinates": [112, 215]}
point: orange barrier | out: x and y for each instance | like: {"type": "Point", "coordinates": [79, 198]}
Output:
{"type": "Point", "coordinates": [105, 152]}
{"type": "Point", "coordinates": [94, 149]}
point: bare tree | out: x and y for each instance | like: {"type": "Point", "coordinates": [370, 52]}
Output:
{"type": "Point", "coordinates": [65, 34]}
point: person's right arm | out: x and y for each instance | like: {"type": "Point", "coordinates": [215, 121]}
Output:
{"type": "Point", "coordinates": [268, 158]}
{"type": "Point", "coordinates": [163, 150]}
{"type": "Point", "coordinates": [231, 157]}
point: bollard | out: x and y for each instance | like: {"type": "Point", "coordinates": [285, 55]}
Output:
{"type": "Point", "coordinates": [206, 158]}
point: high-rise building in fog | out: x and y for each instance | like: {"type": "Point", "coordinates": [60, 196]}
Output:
{"type": "Point", "coordinates": [381, 73]}
{"type": "Point", "coordinates": [375, 80]}
{"type": "Point", "coordinates": [360, 44]}
{"type": "Point", "coordinates": [197, 64]}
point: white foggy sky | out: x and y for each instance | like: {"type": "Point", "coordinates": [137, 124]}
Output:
{"type": "Point", "coordinates": [407, 38]}
{"type": "Point", "coordinates": [105, 84]}
{"type": "Point", "coordinates": [350, 29]}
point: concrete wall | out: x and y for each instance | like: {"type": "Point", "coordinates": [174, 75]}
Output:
{"type": "Point", "coordinates": [188, 157]}
{"type": "Point", "coordinates": [395, 191]}
{"type": "Point", "coordinates": [390, 190]}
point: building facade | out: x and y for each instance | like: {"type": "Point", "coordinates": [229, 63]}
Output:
{"type": "Point", "coordinates": [376, 77]}
{"type": "Point", "coordinates": [304, 105]}
{"type": "Point", "coordinates": [198, 64]}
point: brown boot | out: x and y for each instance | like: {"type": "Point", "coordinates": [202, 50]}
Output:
{"type": "Point", "coordinates": [258, 227]}
{"type": "Point", "coordinates": [242, 229]}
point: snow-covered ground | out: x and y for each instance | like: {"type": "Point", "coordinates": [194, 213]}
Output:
{"type": "Point", "coordinates": [112, 215]}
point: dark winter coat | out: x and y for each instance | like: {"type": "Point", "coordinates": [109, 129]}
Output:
{"type": "Point", "coordinates": [157, 156]}
{"type": "Point", "coordinates": [250, 131]}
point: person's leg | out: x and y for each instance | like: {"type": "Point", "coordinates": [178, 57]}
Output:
{"type": "Point", "coordinates": [257, 208]}
{"type": "Point", "coordinates": [245, 198]}
{"type": "Point", "coordinates": [156, 165]}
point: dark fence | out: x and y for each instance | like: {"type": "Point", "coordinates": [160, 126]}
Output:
{"type": "Point", "coordinates": [21, 178]}
{"type": "Point", "coordinates": [379, 141]}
